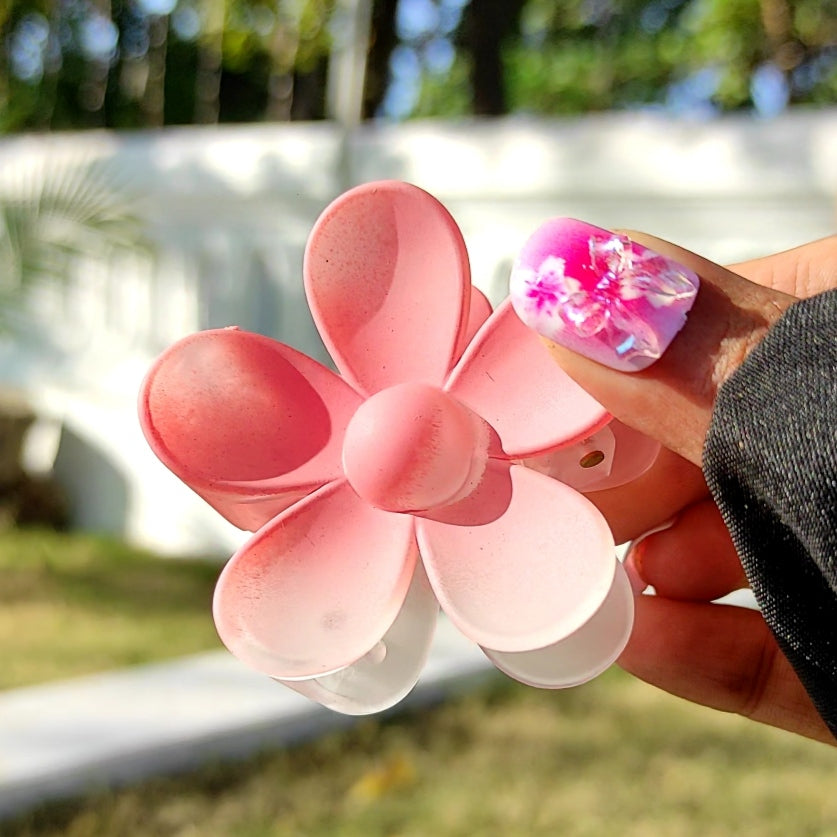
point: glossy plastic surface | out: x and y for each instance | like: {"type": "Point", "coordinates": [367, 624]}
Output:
{"type": "Point", "coordinates": [250, 424]}
{"type": "Point", "coordinates": [583, 654]}
{"type": "Point", "coordinates": [387, 279]}
{"type": "Point", "coordinates": [522, 563]}
{"type": "Point", "coordinates": [508, 377]}
{"type": "Point", "coordinates": [614, 456]}
{"type": "Point", "coordinates": [395, 487]}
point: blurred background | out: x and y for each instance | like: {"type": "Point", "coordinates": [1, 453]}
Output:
{"type": "Point", "coordinates": [706, 122]}
{"type": "Point", "coordinates": [161, 164]}
{"type": "Point", "coordinates": [128, 64]}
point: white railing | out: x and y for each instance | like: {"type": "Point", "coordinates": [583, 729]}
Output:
{"type": "Point", "coordinates": [227, 212]}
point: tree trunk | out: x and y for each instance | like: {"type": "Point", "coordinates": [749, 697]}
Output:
{"type": "Point", "coordinates": [486, 25]}
{"type": "Point", "coordinates": [383, 40]}
{"type": "Point", "coordinates": [309, 92]}
{"type": "Point", "coordinates": [210, 59]}
{"type": "Point", "coordinates": [283, 51]}
{"type": "Point", "coordinates": [94, 89]}
{"type": "Point", "coordinates": [154, 96]}
{"type": "Point", "coordinates": [351, 23]}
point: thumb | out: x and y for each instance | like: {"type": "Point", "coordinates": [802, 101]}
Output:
{"type": "Point", "coordinates": [614, 303]}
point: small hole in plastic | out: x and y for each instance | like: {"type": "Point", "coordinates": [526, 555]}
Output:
{"type": "Point", "coordinates": [590, 460]}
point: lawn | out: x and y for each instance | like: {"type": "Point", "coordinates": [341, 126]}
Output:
{"type": "Point", "coordinates": [73, 604]}
{"type": "Point", "coordinates": [614, 757]}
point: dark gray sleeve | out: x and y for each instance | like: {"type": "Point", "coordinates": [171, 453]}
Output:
{"type": "Point", "coordinates": [771, 464]}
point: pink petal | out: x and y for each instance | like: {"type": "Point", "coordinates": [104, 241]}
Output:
{"type": "Point", "coordinates": [509, 378]}
{"type": "Point", "coordinates": [478, 312]}
{"type": "Point", "coordinates": [248, 423]}
{"type": "Point", "coordinates": [583, 655]}
{"type": "Point", "coordinates": [386, 673]}
{"type": "Point", "coordinates": [317, 588]}
{"type": "Point", "coordinates": [522, 563]}
{"type": "Point", "coordinates": [387, 279]}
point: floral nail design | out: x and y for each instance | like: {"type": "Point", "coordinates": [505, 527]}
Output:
{"type": "Point", "coordinates": [614, 301]}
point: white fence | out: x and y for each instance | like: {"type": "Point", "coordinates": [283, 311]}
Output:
{"type": "Point", "coordinates": [228, 211]}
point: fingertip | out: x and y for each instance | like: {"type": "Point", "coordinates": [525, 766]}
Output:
{"type": "Point", "coordinates": [691, 558]}
{"type": "Point", "coordinates": [635, 556]}
{"type": "Point", "coordinates": [684, 350]}
{"type": "Point", "coordinates": [632, 569]}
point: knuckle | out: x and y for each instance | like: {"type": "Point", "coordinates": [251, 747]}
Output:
{"type": "Point", "coordinates": [736, 343]}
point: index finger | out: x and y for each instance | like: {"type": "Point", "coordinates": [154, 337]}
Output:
{"type": "Point", "coordinates": [672, 399]}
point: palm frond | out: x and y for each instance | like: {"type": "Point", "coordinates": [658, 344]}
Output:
{"type": "Point", "coordinates": [53, 213]}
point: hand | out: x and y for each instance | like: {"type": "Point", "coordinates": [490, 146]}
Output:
{"type": "Point", "coordinates": [720, 656]}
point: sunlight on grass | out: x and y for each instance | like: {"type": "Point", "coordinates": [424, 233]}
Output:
{"type": "Point", "coordinates": [72, 604]}
{"type": "Point", "coordinates": [614, 757]}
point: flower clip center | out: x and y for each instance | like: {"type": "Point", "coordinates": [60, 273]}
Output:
{"type": "Point", "coordinates": [413, 447]}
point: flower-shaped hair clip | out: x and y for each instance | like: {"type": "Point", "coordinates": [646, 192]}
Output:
{"type": "Point", "coordinates": [424, 474]}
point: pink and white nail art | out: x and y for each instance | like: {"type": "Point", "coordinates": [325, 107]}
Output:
{"type": "Point", "coordinates": [600, 294]}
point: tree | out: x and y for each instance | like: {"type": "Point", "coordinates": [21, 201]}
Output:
{"type": "Point", "coordinates": [487, 27]}
{"type": "Point", "coordinates": [143, 63]}
{"type": "Point", "coordinates": [383, 40]}
{"type": "Point", "coordinates": [714, 55]}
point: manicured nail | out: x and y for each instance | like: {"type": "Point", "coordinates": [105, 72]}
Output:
{"type": "Point", "coordinates": [637, 582]}
{"type": "Point", "coordinates": [600, 294]}
{"type": "Point", "coordinates": [635, 556]}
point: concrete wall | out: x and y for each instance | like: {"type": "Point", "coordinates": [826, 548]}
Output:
{"type": "Point", "coordinates": [228, 211]}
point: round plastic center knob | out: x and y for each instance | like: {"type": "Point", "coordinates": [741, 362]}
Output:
{"type": "Point", "coordinates": [413, 447]}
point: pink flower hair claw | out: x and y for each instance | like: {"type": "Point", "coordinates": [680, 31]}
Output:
{"type": "Point", "coordinates": [440, 467]}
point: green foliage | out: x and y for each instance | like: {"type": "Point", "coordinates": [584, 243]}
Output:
{"type": "Point", "coordinates": [50, 218]}
{"type": "Point", "coordinates": [583, 76]}
{"type": "Point", "coordinates": [253, 60]}
{"type": "Point", "coordinates": [707, 55]}
{"type": "Point", "coordinates": [670, 52]}
{"type": "Point", "coordinates": [229, 55]}
{"type": "Point", "coordinates": [446, 96]}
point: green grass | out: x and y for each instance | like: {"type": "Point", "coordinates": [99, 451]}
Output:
{"type": "Point", "coordinates": [72, 604]}
{"type": "Point", "coordinates": [614, 757]}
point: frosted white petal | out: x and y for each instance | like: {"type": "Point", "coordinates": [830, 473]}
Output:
{"type": "Point", "coordinates": [583, 655]}
{"type": "Point", "coordinates": [390, 669]}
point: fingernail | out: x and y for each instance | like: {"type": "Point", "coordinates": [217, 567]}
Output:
{"type": "Point", "coordinates": [638, 584]}
{"type": "Point", "coordinates": [633, 566]}
{"type": "Point", "coordinates": [600, 294]}
{"type": "Point", "coordinates": [635, 555]}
